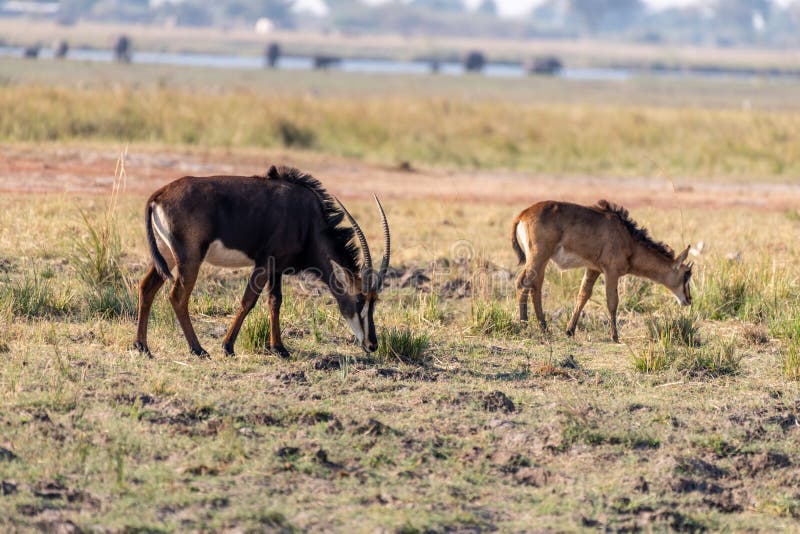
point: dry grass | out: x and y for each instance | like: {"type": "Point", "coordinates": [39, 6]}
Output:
{"type": "Point", "coordinates": [331, 439]}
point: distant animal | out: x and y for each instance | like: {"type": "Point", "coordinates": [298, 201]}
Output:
{"type": "Point", "coordinates": [122, 49]}
{"type": "Point", "coordinates": [60, 49]}
{"type": "Point", "coordinates": [271, 55]}
{"type": "Point", "coordinates": [325, 62]}
{"type": "Point", "coordinates": [602, 239]}
{"type": "Point", "coordinates": [280, 223]}
{"type": "Point", "coordinates": [32, 52]}
{"type": "Point", "coordinates": [474, 61]}
{"type": "Point", "coordinates": [547, 65]}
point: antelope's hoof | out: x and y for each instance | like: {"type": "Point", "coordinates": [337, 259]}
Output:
{"type": "Point", "coordinates": [615, 339]}
{"type": "Point", "coordinates": [142, 348]}
{"type": "Point", "coordinates": [281, 351]}
{"type": "Point", "coordinates": [201, 353]}
{"type": "Point", "coordinates": [228, 350]}
{"type": "Point", "coordinates": [570, 332]}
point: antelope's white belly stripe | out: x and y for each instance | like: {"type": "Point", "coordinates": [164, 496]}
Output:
{"type": "Point", "coordinates": [567, 260]}
{"type": "Point", "coordinates": [522, 238]}
{"type": "Point", "coordinates": [221, 256]}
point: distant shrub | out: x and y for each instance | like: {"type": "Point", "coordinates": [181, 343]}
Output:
{"type": "Point", "coordinates": [294, 136]}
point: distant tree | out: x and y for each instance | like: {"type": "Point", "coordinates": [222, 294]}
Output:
{"type": "Point", "coordinates": [739, 14]}
{"type": "Point", "coordinates": [594, 12]}
{"type": "Point", "coordinates": [453, 6]}
{"type": "Point", "coordinates": [488, 7]}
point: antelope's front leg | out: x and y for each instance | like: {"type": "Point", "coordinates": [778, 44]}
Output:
{"type": "Point", "coordinates": [589, 278]}
{"type": "Point", "coordinates": [258, 279]}
{"type": "Point", "coordinates": [612, 299]}
{"type": "Point", "coordinates": [275, 300]}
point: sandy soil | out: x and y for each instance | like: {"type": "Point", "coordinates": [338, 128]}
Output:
{"type": "Point", "coordinates": [81, 170]}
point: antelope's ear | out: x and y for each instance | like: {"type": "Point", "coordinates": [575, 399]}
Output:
{"type": "Point", "coordinates": [681, 258]}
{"type": "Point", "coordinates": [343, 279]}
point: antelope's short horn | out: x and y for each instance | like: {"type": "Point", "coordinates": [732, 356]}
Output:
{"type": "Point", "coordinates": [387, 246]}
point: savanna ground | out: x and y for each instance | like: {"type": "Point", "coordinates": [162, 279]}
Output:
{"type": "Point", "coordinates": [465, 420]}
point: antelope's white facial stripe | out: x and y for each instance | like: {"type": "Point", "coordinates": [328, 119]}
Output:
{"type": "Point", "coordinates": [356, 326]}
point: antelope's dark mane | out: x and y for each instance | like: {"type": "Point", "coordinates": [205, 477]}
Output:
{"type": "Point", "coordinates": [343, 237]}
{"type": "Point", "coordinates": [637, 232]}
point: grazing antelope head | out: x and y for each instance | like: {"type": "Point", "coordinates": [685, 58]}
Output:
{"type": "Point", "coordinates": [357, 293]}
{"type": "Point", "coordinates": [281, 223]}
{"type": "Point", "coordinates": [603, 239]}
{"type": "Point", "coordinates": [677, 280]}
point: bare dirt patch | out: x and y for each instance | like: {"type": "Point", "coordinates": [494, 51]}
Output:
{"type": "Point", "coordinates": [84, 170]}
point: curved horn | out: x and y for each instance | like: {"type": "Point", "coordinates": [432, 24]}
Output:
{"type": "Point", "coordinates": [364, 246]}
{"type": "Point", "coordinates": [387, 246]}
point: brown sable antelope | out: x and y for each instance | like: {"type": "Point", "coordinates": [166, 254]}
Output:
{"type": "Point", "coordinates": [601, 239]}
{"type": "Point", "coordinates": [281, 223]}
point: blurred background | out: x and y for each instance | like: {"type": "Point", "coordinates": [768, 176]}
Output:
{"type": "Point", "coordinates": [499, 37]}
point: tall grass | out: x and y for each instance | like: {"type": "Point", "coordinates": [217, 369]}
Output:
{"type": "Point", "coordinates": [790, 363]}
{"type": "Point", "coordinates": [97, 257]}
{"type": "Point", "coordinates": [453, 132]}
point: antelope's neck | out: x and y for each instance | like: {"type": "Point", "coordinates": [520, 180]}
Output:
{"type": "Point", "coordinates": [651, 265]}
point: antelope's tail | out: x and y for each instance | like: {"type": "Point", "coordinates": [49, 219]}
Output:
{"type": "Point", "coordinates": [158, 260]}
{"type": "Point", "coordinates": [515, 242]}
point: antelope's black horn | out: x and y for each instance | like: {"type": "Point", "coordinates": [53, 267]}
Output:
{"type": "Point", "coordinates": [367, 274]}
{"type": "Point", "coordinates": [387, 246]}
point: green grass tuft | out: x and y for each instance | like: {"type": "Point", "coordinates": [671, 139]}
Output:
{"type": "Point", "coordinates": [404, 345]}
{"type": "Point", "coordinates": [791, 361]}
{"type": "Point", "coordinates": [681, 329]}
{"type": "Point", "coordinates": [255, 332]}
{"type": "Point", "coordinates": [713, 360]}
{"type": "Point", "coordinates": [491, 318]}
{"type": "Point", "coordinates": [32, 295]}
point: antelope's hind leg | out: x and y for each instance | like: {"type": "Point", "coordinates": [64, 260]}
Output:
{"type": "Point", "coordinates": [179, 298]}
{"type": "Point", "coordinates": [529, 284]}
{"type": "Point", "coordinates": [585, 293]}
{"type": "Point", "coordinates": [148, 288]}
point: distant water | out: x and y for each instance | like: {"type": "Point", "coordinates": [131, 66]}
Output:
{"type": "Point", "coordinates": [385, 66]}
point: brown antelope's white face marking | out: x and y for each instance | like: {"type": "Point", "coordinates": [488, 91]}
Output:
{"type": "Point", "coordinates": [356, 307]}
{"type": "Point", "coordinates": [221, 256]}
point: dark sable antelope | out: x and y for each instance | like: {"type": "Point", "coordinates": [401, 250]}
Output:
{"type": "Point", "coordinates": [601, 239]}
{"type": "Point", "coordinates": [284, 222]}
